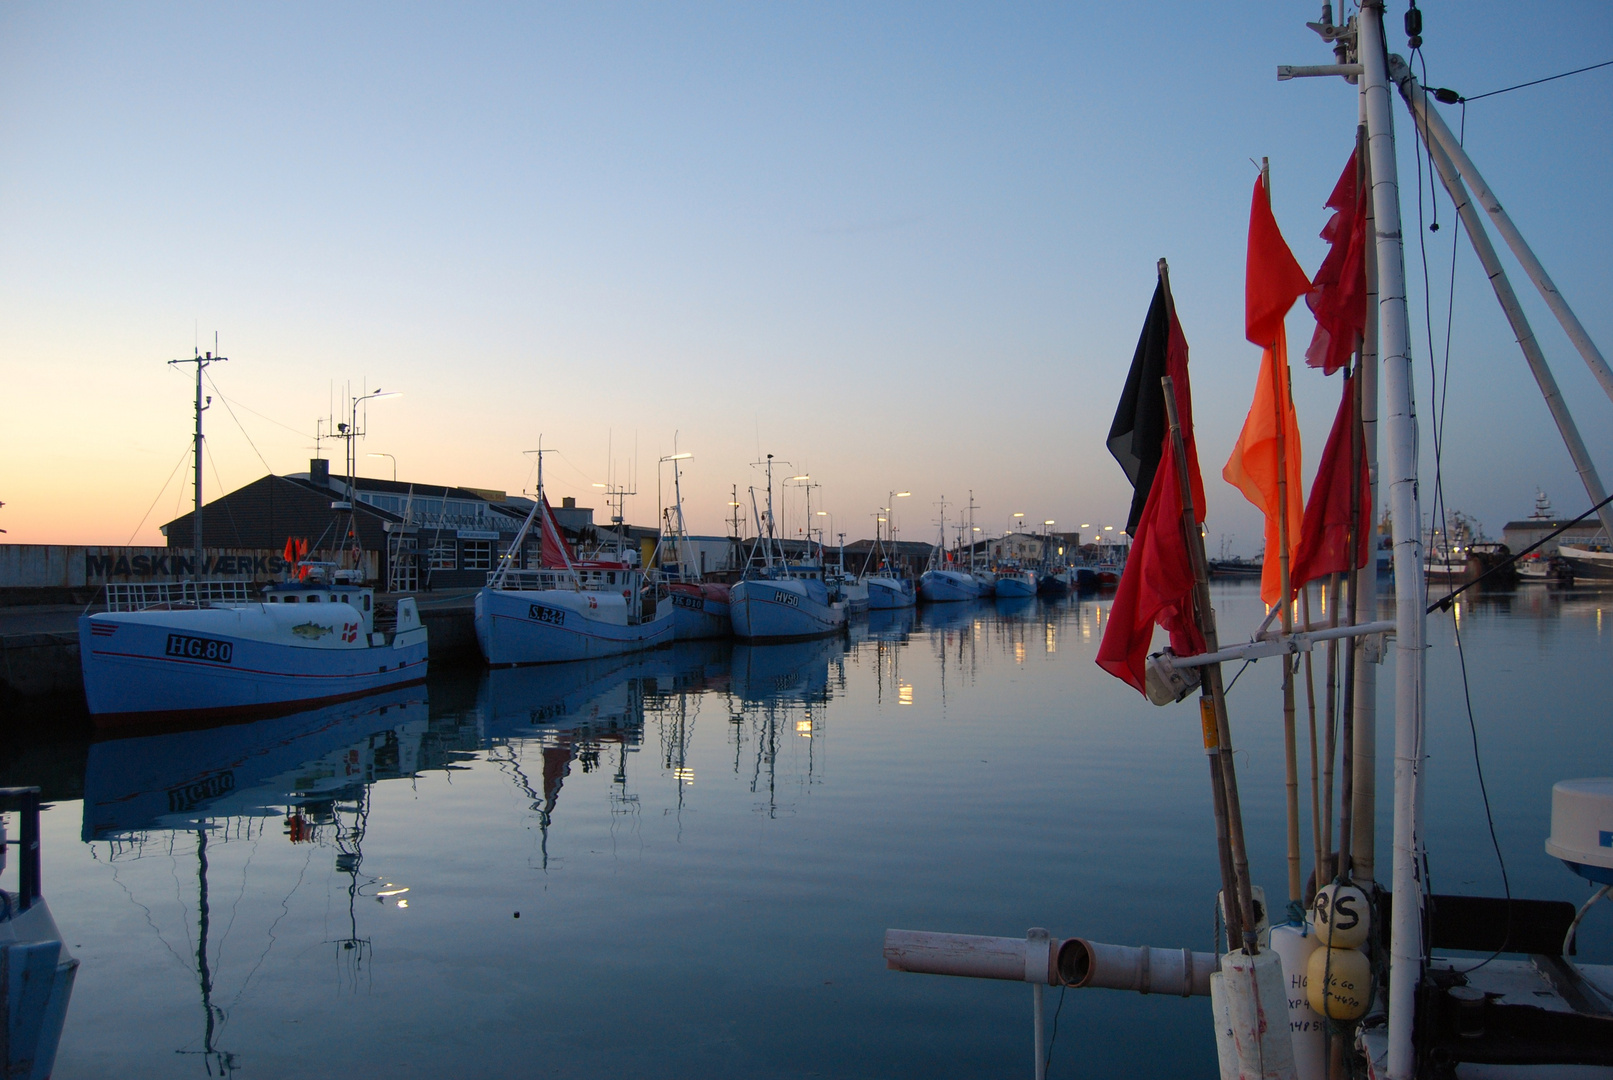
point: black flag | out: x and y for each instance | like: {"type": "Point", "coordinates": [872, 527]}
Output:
{"type": "Point", "coordinates": [1137, 435]}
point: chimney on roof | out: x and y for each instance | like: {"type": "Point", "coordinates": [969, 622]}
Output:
{"type": "Point", "coordinates": [319, 472]}
{"type": "Point", "coordinates": [568, 503]}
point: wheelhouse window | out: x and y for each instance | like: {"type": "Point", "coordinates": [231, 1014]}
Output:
{"type": "Point", "coordinates": [476, 555]}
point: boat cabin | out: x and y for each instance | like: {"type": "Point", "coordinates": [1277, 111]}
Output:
{"type": "Point", "coordinates": [315, 589]}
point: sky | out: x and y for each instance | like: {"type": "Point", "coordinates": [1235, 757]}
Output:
{"type": "Point", "coordinates": [900, 247]}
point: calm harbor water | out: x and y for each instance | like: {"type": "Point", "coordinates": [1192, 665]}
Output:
{"type": "Point", "coordinates": [684, 863]}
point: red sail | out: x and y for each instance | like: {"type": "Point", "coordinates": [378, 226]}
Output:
{"type": "Point", "coordinates": [556, 556]}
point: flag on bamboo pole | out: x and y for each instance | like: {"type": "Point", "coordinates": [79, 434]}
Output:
{"type": "Point", "coordinates": [1338, 295]}
{"type": "Point", "coordinates": [1324, 541]}
{"type": "Point", "coordinates": [1273, 281]}
{"type": "Point", "coordinates": [1157, 583]}
{"type": "Point", "coordinates": [1140, 432]}
{"type": "Point", "coordinates": [554, 554]}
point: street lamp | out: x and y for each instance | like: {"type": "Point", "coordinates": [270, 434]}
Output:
{"type": "Point", "coordinates": [394, 464]}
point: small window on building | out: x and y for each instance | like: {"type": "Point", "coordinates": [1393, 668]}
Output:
{"type": "Point", "coordinates": [477, 555]}
{"type": "Point", "coordinates": [445, 554]}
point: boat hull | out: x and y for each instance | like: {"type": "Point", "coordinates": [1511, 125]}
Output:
{"type": "Point", "coordinates": [187, 667]}
{"type": "Point", "coordinates": [948, 586]}
{"type": "Point", "coordinates": [1012, 586]}
{"type": "Point", "coordinates": [782, 610]}
{"type": "Point", "coordinates": [700, 612]}
{"type": "Point", "coordinates": [521, 626]}
{"type": "Point", "coordinates": [890, 594]}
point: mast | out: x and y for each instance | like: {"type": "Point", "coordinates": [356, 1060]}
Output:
{"type": "Point", "coordinates": [1400, 430]}
{"type": "Point", "coordinates": [201, 361]}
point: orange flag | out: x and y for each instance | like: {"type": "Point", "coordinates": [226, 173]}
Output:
{"type": "Point", "coordinates": [1273, 281]}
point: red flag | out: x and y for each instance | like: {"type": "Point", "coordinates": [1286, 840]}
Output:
{"type": "Point", "coordinates": [290, 554]}
{"type": "Point", "coordinates": [1338, 296]}
{"type": "Point", "coordinates": [1157, 583]}
{"type": "Point", "coordinates": [555, 555]}
{"type": "Point", "coordinates": [1324, 545]}
{"type": "Point", "coordinates": [1273, 279]}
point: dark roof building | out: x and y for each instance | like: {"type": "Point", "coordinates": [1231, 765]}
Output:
{"type": "Point", "coordinates": [412, 536]}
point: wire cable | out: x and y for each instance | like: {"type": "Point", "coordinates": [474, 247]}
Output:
{"type": "Point", "coordinates": [238, 423]}
{"type": "Point", "coordinates": [1537, 82]}
{"type": "Point", "coordinates": [183, 454]}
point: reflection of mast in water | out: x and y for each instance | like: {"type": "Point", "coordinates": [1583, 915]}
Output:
{"type": "Point", "coordinates": [211, 1055]}
{"type": "Point", "coordinates": [675, 747]}
{"type": "Point", "coordinates": [349, 860]}
{"type": "Point", "coordinates": [767, 749]}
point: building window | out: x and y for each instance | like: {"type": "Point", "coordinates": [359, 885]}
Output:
{"type": "Point", "coordinates": [478, 555]}
{"type": "Point", "coordinates": [445, 554]}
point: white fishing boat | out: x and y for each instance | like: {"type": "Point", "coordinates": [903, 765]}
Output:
{"type": "Point", "coordinates": [1357, 977]}
{"type": "Point", "coordinates": [193, 652]}
{"type": "Point", "coordinates": [780, 599]}
{"type": "Point", "coordinates": [890, 585]}
{"type": "Point", "coordinates": [566, 608]}
{"type": "Point", "coordinates": [1014, 582]}
{"type": "Point", "coordinates": [1587, 562]}
{"type": "Point", "coordinates": [945, 581]}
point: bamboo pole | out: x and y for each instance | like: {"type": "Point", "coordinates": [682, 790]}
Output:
{"type": "Point", "coordinates": [1281, 399]}
{"type": "Point", "coordinates": [1211, 716]}
{"type": "Point", "coordinates": [1205, 616]}
{"type": "Point", "coordinates": [1310, 712]}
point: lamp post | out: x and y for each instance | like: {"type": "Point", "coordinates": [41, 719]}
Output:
{"type": "Point", "coordinates": [393, 460]}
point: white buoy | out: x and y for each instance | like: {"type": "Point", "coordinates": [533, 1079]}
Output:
{"type": "Point", "coordinates": [1257, 1006]}
{"type": "Point", "coordinates": [1340, 983]}
{"type": "Point", "coordinates": [1342, 915]}
{"type": "Point", "coordinates": [1306, 1028]}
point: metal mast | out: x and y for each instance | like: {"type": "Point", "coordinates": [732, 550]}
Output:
{"type": "Point", "coordinates": [201, 360]}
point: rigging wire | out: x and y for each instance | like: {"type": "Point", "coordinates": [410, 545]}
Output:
{"type": "Point", "coordinates": [238, 423]}
{"type": "Point", "coordinates": [1439, 391]}
{"type": "Point", "coordinates": [183, 455]}
{"type": "Point", "coordinates": [1536, 82]}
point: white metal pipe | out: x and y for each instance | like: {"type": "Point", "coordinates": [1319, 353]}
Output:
{"type": "Point", "coordinates": [1051, 962]}
{"type": "Point", "coordinates": [1313, 71]}
{"type": "Point", "coordinates": [1400, 434]}
{"type": "Point", "coordinates": [1280, 644]}
{"type": "Point", "coordinates": [1509, 232]}
{"type": "Point", "coordinates": [1417, 101]}
{"type": "Point", "coordinates": [1369, 653]}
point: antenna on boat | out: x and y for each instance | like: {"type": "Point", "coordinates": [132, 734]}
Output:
{"type": "Point", "coordinates": [201, 361]}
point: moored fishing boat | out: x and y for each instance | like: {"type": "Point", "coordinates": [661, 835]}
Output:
{"type": "Point", "coordinates": [700, 608]}
{"type": "Point", "coordinates": [195, 652]}
{"type": "Point", "coordinates": [1015, 581]}
{"type": "Point", "coordinates": [566, 609]}
{"type": "Point", "coordinates": [198, 652]}
{"type": "Point", "coordinates": [779, 599]}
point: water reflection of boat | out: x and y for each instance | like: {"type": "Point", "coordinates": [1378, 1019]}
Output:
{"type": "Point", "coordinates": [183, 779]}
{"type": "Point", "coordinates": [795, 670]}
{"type": "Point", "coordinates": [891, 624]}
{"type": "Point", "coordinates": [312, 769]}
{"type": "Point", "coordinates": [950, 616]}
{"type": "Point", "coordinates": [1015, 608]}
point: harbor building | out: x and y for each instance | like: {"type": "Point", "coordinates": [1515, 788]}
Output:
{"type": "Point", "coordinates": [410, 536]}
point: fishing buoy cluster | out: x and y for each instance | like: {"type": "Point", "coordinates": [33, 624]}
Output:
{"type": "Point", "coordinates": [1338, 975]}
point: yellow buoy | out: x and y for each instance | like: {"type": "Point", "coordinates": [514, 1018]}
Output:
{"type": "Point", "coordinates": [1342, 916]}
{"type": "Point", "coordinates": [1339, 983]}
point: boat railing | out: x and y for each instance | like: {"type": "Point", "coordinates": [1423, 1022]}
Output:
{"type": "Point", "coordinates": [138, 596]}
{"type": "Point", "coordinates": [26, 801]}
{"type": "Point", "coordinates": [533, 580]}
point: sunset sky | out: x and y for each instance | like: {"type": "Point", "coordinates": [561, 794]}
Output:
{"type": "Point", "coordinates": [900, 247]}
